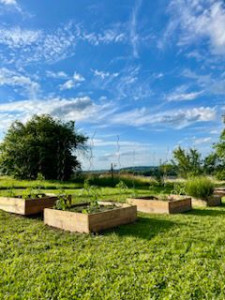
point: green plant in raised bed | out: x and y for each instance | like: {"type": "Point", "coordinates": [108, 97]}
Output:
{"type": "Point", "coordinates": [199, 187]}
{"type": "Point", "coordinates": [163, 196]}
{"type": "Point", "coordinates": [93, 193]}
{"type": "Point", "coordinates": [29, 193]}
{"type": "Point", "coordinates": [122, 187]}
{"type": "Point", "coordinates": [63, 201]}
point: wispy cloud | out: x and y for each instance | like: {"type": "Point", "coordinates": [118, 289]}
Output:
{"type": "Point", "coordinates": [208, 82]}
{"type": "Point", "coordinates": [8, 2]}
{"type": "Point", "coordinates": [16, 38]}
{"type": "Point", "coordinates": [181, 94]}
{"type": "Point", "coordinates": [23, 46]}
{"type": "Point", "coordinates": [11, 4]}
{"type": "Point", "coordinates": [176, 119]}
{"type": "Point", "coordinates": [200, 141]}
{"type": "Point", "coordinates": [15, 79]}
{"type": "Point", "coordinates": [134, 37]}
{"type": "Point", "coordinates": [103, 75]}
{"type": "Point", "coordinates": [75, 81]}
{"type": "Point", "coordinates": [80, 109]}
{"type": "Point", "coordinates": [114, 34]}
{"type": "Point", "coordinates": [198, 20]}
{"type": "Point", "coordinates": [56, 75]}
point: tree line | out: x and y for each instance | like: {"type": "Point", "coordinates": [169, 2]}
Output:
{"type": "Point", "coordinates": [47, 146]}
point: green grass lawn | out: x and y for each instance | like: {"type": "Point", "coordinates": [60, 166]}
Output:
{"type": "Point", "coordinates": [158, 257]}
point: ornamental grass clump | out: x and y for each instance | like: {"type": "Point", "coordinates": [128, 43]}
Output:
{"type": "Point", "coordinates": [199, 187]}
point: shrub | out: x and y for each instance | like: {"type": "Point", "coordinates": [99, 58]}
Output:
{"type": "Point", "coordinates": [199, 187]}
{"type": "Point", "coordinates": [220, 175]}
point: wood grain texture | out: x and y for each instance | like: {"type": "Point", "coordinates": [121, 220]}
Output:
{"type": "Point", "coordinates": [87, 223]}
{"type": "Point", "coordinates": [176, 204]}
{"type": "Point", "coordinates": [26, 206]}
{"type": "Point", "coordinates": [214, 200]}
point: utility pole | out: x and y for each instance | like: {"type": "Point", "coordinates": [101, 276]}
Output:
{"type": "Point", "coordinates": [112, 170]}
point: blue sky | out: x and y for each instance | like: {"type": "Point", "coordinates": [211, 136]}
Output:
{"type": "Point", "coordinates": [139, 77]}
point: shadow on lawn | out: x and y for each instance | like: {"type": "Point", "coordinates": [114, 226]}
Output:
{"type": "Point", "coordinates": [207, 212]}
{"type": "Point", "coordinates": [39, 216]}
{"type": "Point", "coordinates": [145, 228]}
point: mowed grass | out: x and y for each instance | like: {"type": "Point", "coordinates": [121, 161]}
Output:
{"type": "Point", "coordinates": [158, 257]}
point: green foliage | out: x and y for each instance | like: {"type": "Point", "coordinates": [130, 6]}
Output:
{"type": "Point", "coordinates": [92, 194]}
{"type": "Point", "coordinates": [220, 174]}
{"type": "Point", "coordinates": [211, 163]}
{"type": "Point", "coordinates": [188, 163]}
{"type": "Point", "coordinates": [178, 188]}
{"type": "Point", "coordinates": [43, 145]}
{"type": "Point", "coordinates": [220, 147]}
{"type": "Point", "coordinates": [63, 201]}
{"type": "Point", "coordinates": [129, 180]}
{"type": "Point", "coordinates": [199, 187]}
{"type": "Point", "coordinates": [122, 187]}
{"type": "Point", "coordinates": [11, 192]}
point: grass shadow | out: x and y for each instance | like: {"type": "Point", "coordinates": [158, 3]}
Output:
{"type": "Point", "coordinates": [208, 211]}
{"type": "Point", "coordinates": [144, 228]}
{"type": "Point", "coordinates": [38, 216]}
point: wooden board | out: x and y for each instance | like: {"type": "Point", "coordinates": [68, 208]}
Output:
{"type": "Point", "coordinates": [148, 205]}
{"type": "Point", "coordinates": [219, 191]}
{"type": "Point", "coordinates": [26, 206]}
{"type": "Point", "coordinates": [214, 200]}
{"type": "Point", "coordinates": [86, 223]}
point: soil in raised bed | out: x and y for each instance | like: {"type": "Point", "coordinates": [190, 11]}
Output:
{"type": "Point", "coordinates": [165, 198]}
{"type": "Point", "coordinates": [88, 209]}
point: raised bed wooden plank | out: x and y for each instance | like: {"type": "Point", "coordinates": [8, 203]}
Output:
{"type": "Point", "coordinates": [86, 223]}
{"type": "Point", "coordinates": [26, 206]}
{"type": "Point", "coordinates": [214, 200]}
{"type": "Point", "coordinates": [155, 205]}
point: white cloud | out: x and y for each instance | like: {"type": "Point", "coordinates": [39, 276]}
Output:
{"type": "Point", "coordinates": [56, 75]}
{"type": "Point", "coordinates": [17, 38]}
{"type": "Point", "coordinates": [107, 36]}
{"type": "Point", "coordinates": [200, 141]}
{"type": "Point", "coordinates": [181, 94]}
{"type": "Point", "coordinates": [79, 109]}
{"type": "Point", "coordinates": [24, 46]}
{"type": "Point", "coordinates": [207, 82]}
{"type": "Point", "coordinates": [134, 37]}
{"type": "Point", "coordinates": [198, 20]}
{"type": "Point", "coordinates": [15, 79]}
{"type": "Point", "coordinates": [177, 119]}
{"type": "Point", "coordinates": [104, 75]}
{"type": "Point", "coordinates": [8, 2]}
{"type": "Point", "coordinates": [72, 83]}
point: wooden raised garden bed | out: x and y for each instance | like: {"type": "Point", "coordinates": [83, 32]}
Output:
{"type": "Point", "coordinates": [219, 191]}
{"type": "Point", "coordinates": [31, 206]}
{"type": "Point", "coordinates": [214, 200]}
{"type": "Point", "coordinates": [90, 222]}
{"type": "Point", "coordinates": [152, 204]}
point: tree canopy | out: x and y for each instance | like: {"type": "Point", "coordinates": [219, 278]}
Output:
{"type": "Point", "coordinates": [42, 145]}
{"type": "Point", "coordinates": [188, 163]}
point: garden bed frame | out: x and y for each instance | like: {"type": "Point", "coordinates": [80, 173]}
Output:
{"type": "Point", "coordinates": [94, 222]}
{"type": "Point", "coordinates": [220, 191]}
{"type": "Point", "coordinates": [153, 204]}
{"type": "Point", "coordinates": [26, 207]}
{"type": "Point", "coordinates": [214, 200]}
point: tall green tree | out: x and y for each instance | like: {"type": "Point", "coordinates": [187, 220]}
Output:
{"type": "Point", "coordinates": [220, 147]}
{"type": "Point", "coordinates": [43, 145]}
{"type": "Point", "coordinates": [220, 152]}
{"type": "Point", "coordinates": [211, 164]}
{"type": "Point", "coordinates": [188, 163]}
